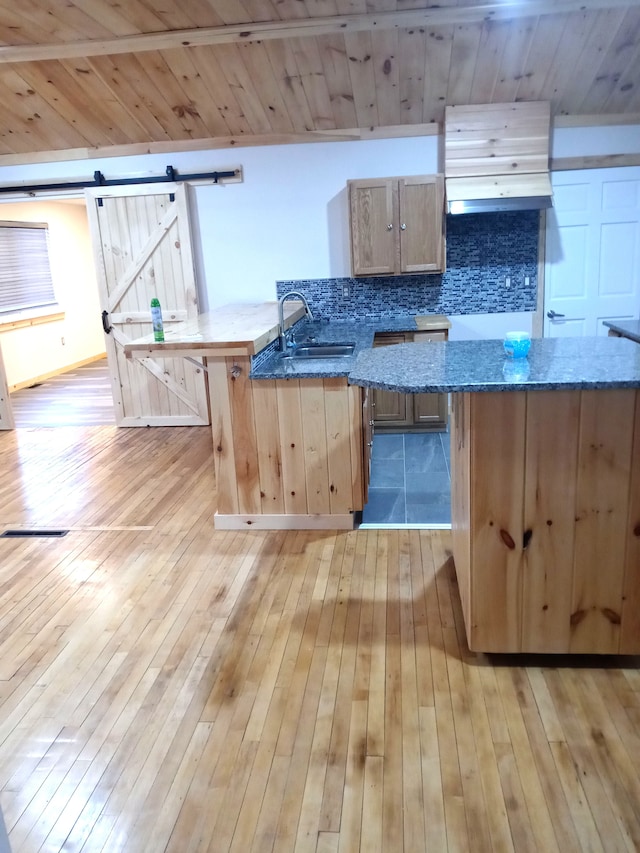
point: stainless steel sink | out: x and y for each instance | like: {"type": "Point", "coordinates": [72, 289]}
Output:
{"type": "Point", "coordinates": [320, 351]}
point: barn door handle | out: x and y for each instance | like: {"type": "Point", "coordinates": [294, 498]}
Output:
{"type": "Point", "coordinates": [552, 315]}
{"type": "Point", "coordinates": [105, 322]}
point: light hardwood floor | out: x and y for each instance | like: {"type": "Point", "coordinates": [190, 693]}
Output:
{"type": "Point", "coordinates": [79, 397]}
{"type": "Point", "coordinates": [164, 686]}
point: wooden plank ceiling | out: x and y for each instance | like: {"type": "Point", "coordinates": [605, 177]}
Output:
{"type": "Point", "coordinates": [101, 77]}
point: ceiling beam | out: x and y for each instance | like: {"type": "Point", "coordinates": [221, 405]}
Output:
{"type": "Point", "coordinates": [175, 146]}
{"type": "Point", "coordinates": [357, 134]}
{"type": "Point", "coordinates": [499, 10]}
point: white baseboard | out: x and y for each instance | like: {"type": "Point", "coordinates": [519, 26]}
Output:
{"type": "Point", "coordinates": [283, 522]}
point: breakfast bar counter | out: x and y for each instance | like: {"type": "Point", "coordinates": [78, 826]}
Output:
{"type": "Point", "coordinates": [236, 329]}
{"type": "Point", "coordinates": [545, 486]}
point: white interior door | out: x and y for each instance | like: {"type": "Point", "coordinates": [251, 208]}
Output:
{"type": "Point", "coordinates": [142, 247]}
{"type": "Point", "coordinates": [592, 264]}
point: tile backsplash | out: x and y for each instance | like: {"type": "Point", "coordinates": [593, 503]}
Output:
{"type": "Point", "coordinates": [484, 250]}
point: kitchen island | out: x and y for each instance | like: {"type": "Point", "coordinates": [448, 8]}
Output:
{"type": "Point", "coordinates": [287, 450]}
{"type": "Point", "coordinates": [545, 486]}
{"type": "Point", "coordinates": [291, 437]}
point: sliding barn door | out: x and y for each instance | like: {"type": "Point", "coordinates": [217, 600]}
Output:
{"type": "Point", "coordinates": [142, 247]}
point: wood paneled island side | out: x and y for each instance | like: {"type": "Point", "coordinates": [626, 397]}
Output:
{"type": "Point", "coordinates": [545, 487]}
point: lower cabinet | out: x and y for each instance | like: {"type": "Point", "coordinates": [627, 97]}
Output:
{"type": "Point", "coordinates": [391, 409]}
{"type": "Point", "coordinates": [288, 452]}
{"type": "Point", "coordinates": [545, 510]}
{"type": "Point", "coordinates": [398, 412]}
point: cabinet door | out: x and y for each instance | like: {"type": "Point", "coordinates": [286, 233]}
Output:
{"type": "Point", "coordinates": [431, 410]}
{"type": "Point", "coordinates": [373, 218]}
{"type": "Point", "coordinates": [422, 244]}
{"type": "Point", "coordinates": [391, 408]}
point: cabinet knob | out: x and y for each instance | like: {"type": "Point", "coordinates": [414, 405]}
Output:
{"type": "Point", "coordinates": [403, 227]}
{"type": "Point", "coordinates": [390, 227]}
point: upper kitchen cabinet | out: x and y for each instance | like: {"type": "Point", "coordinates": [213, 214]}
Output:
{"type": "Point", "coordinates": [397, 225]}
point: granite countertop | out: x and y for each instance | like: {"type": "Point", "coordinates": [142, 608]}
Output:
{"type": "Point", "coordinates": [552, 364]}
{"type": "Point", "coordinates": [271, 365]}
{"type": "Point", "coordinates": [626, 328]}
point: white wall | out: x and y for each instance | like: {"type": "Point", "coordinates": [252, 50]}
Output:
{"type": "Point", "coordinates": [473, 327]}
{"type": "Point", "coordinates": [32, 352]}
{"type": "Point", "coordinates": [288, 219]}
{"type": "Point", "coordinates": [594, 141]}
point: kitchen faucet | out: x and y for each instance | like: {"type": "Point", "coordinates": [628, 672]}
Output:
{"type": "Point", "coordinates": [291, 294]}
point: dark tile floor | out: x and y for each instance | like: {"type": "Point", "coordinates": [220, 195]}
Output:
{"type": "Point", "coordinates": [410, 480]}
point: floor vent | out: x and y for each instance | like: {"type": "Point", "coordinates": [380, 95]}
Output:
{"type": "Point", "coordinates": [14, 534]}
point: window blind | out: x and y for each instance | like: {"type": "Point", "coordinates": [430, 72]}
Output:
{"type": "Point", "coordinates": [25, 271]}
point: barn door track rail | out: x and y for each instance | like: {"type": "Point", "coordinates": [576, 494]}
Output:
{"type": "Point", "coordinates": [171, 175]}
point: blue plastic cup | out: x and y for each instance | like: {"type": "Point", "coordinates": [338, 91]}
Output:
{"type": "Point", "coordinates": [517, 344]}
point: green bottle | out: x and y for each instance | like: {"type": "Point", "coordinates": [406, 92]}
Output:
{"type": "Point", "coordinates": [156, 319]}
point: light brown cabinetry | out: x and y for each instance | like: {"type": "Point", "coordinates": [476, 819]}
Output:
{"type": "Point", "coordinates": [397, 225]}
{"type": "Point", "coordinates": [287, 452]}
{"type": "Point", "coordinates": [546, 519]}
{"type": "Point", "coordinates": [395, 411]}
{"type": "Point", "coordinates": [367, 441]}
{"type": "Point", "coordinates": [430, 410]}
{"type": "Point", "coordinates": [391, 408]}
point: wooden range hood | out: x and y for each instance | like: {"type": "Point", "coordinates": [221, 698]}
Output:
{"type": "Point", "coordinates": [497, 157]}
